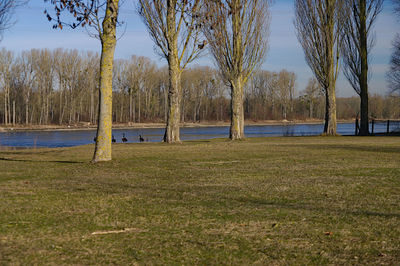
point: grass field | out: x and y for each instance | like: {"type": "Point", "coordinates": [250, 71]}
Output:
{"type": "Point", "coordinates": [294, 200]}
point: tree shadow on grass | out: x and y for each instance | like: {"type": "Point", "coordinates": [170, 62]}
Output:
{"type": "Point", "coordinates": [356, 148]}
{"type": "Point", "coordinates": [38, 161]}
{"type": "Point", "coordinates": [324, 209]}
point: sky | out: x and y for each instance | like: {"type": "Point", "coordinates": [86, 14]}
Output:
{"type": "Point", "coordinates": [32, 30]}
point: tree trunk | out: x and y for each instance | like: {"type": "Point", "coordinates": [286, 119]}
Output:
{"type": "Point", "coordinates": [237, 112]}
{"type": "Point", "coordinates": [5, 107]}
{"type": "Point", "coordinates": [91, 106]}
{"type": "Point", "coordinates": [9, 106]}
{"type": "Point", "coordinates": [165, 105]}
{"type": "Point", "coordinates": [330, 111]}
{"type": "Point", "coordinates": [364, 126]}
{"type": "Point", "coordinates": [130, 105]}
{"type": "Point", "coordinates": [108, 41]}
{"type": "Point", "coordinates": [27, 110]}
{"type": "Point", "coordinates": [174, 101]}
{"type": "Point", "coordinates": [330, 104]}
{"type": "Point", "coordinates": [183, 103]}
{"type": "Point", "coordinates": [139, 104]}
{"type": "Point", "coordinates": [174, 94]}
{"type": "Point", "coordinates": [13, 115]}
{"type": "Point", "coordinates": [122, 109]}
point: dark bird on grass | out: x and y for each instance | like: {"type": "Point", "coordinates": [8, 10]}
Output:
{"type": "Point", "coordinates": [141, 139]}
{"type": "Point", "coordinates": [94, 139]}
{"type": "Point", "coordinates": [123, 138]}
{"type": "Point", "coordinates": [113, 139]}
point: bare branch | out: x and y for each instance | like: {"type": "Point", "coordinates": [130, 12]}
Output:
{"type": "Point", "coordinates": [237, 32]}
{"type": "Point", "coordinates": [7, 8]}
{"type": "Point", "coordinates": [185, 29]}
{"type": "Point", "coordinates": [393, 75]}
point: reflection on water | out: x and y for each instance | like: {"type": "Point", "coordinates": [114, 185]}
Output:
{"type": "Point", "coordinates": [61, 138]}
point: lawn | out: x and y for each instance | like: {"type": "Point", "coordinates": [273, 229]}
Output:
{"type": "Point", "coordinates": [293, 200]}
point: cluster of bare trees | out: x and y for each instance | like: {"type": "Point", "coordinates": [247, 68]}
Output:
{"type": "Point", "coordinates": [332, 29]}
{"type": "Point", "coordinates": [45, 87]}
{"type": "Point", "coordinates": [271, 95]}
{"type": "Point", "coordinates": [234, 30]}
{"type": "Point", "coordinates": [236, 34]}
{"type": "Point", "coordinates": [61, 87]}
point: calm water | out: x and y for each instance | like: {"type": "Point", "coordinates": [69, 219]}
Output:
{"type": "Point", "coordinates": [61, 138]}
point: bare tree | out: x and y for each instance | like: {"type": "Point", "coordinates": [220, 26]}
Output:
{"type": "Point", "coordinates": [237, 32]}
{"type": "Point", "coordinates": [393, 75]}
{"type": "Point", "coordinates": [286, 91]}
{"type": "Point", "coordinates": [311, 94]}
{"type": "Point", "coordinates": [102, 16]}
{"type": "Point", "coordinates": [396, 6]}
{"type": "Point", "coordinates": [357, 44]}
{"type": "Point", "coordinates": [173, 27]}
{"type": "Point", "coordinates": [318, 24]}
{"type": "Point", "coordinates": [27, 77]}
{"type": "Point", "coordinates": [7, 8]}
{"type": "Point", "coordinates": [6, 63]}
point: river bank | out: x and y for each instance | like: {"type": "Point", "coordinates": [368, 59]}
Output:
{"type": "Point", "coordinates": [88, 126]}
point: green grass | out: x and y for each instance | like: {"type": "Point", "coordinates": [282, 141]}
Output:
{"type": "Point", "coordinates": [297, 200]}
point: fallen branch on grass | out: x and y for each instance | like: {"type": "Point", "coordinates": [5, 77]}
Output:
{"type": "Point", "coordinates": [125, 230]}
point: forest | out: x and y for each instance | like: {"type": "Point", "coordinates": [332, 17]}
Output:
{"type": "Point", "coordinates": [41, 87]}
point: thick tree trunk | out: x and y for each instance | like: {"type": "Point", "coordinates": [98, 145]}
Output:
{"type": "Point", "coordinates": [108, 41]}
{"type": "Point", "coordinates": [330, 111]}
{"type": "Point", "coordinates": [174, 94]}
{"type": "Point", "coordinates": [237, 112]}
{"type": "Point", "coordinates": [330, 104]}
{"type": "Point", "coordinates": [364, 125]}
{"type": "Point", "coordinates": [174, 103]}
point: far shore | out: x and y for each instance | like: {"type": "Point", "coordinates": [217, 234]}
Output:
{"type": "Point", "coordinates": [88, 126]}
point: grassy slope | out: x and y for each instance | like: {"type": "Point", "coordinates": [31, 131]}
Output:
{"type": "Point", "coordinates": [274, 200]}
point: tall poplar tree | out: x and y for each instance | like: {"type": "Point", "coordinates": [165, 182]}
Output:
{"type": "Point", "coordinates": [237, 33]}
{"type": "Point", "coordinates": [102, 15]}
{"type": "Point", "coordinates": [393, 75]}
{"type": "Point", "coordinates": [357, 44]}
{"type": "Point", "coordinates": [319, 24]}
{"type": "Point", "coordinates": [173, 27]}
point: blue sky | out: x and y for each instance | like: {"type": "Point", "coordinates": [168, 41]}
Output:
{"type": "Point", "coordinates": [32, 30]}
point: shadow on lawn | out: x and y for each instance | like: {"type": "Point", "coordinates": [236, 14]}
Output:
{"type": "Point", "coordinates": [325, 209]}
{"type": "Point", "coordinates": [356, 148]}
{"type": "Point", "coordinates": [37, 161]}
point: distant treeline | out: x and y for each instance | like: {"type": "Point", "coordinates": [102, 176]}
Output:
{"type": "Point", "coordinates": [61, 87]}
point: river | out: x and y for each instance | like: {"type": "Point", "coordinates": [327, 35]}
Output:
{"type": "Point", "coordinates": [69, 138]}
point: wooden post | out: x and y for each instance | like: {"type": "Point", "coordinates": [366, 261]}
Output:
{"type": "Point", "coordinates": [357, 128]}
{"type": "Point", "coordinates": [373, 124]}
{"type": "Point", "coordinates": [388, 127]}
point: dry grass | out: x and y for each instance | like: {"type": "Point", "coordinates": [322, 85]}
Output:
{"type": "Point", "coordinates": [298, 200]}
